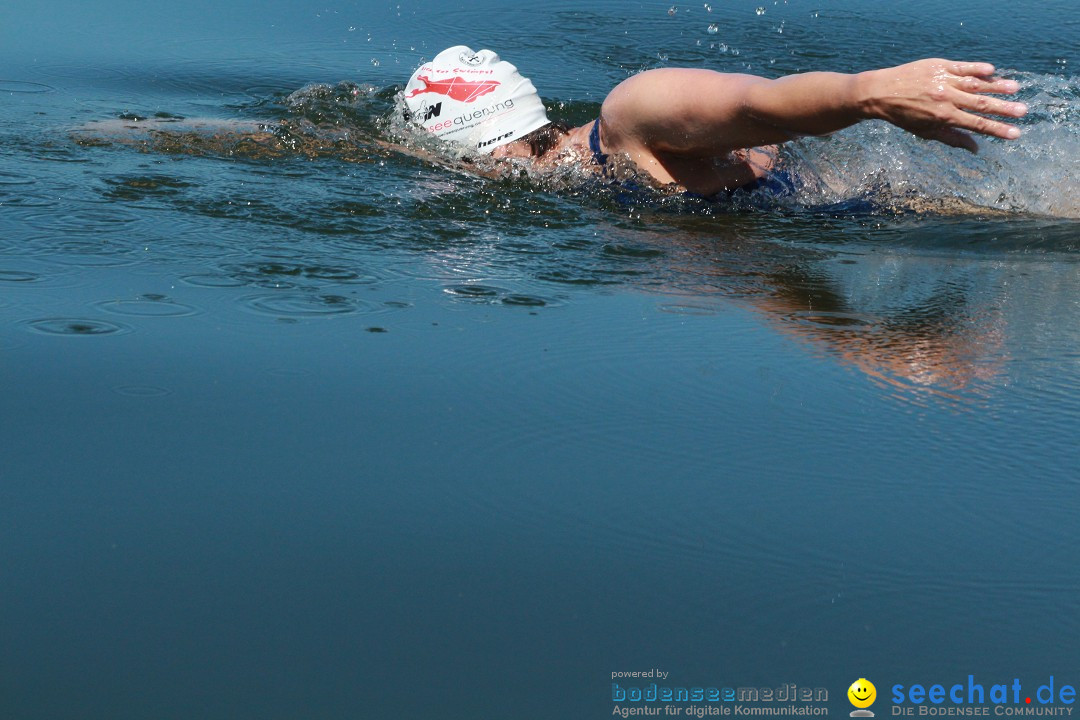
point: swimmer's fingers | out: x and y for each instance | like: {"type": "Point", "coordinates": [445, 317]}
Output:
{"type": "Point", "coordinates": [972, 85]}
{"type": "Point", "coordinates": [978, 79]}
{"type": "Point", "coordinates": [991, 85]}
{"type": "Point", "coordinates": [984, 126]}
{"type": "Point", "coordinates": [967, 104]}
{"type": "Point", "coordinates": [972, 69]}
{"type": "Point", "coordinates": [944, 100]}
{"type": "Point", "coordinates": [989, 105]}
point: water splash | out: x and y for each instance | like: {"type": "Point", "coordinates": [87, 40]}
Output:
{"type": "Point", "coordinates": [1036, 175]}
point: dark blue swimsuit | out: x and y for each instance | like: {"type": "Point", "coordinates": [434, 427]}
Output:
{"type": "Point", "coordinates": [778, 182]}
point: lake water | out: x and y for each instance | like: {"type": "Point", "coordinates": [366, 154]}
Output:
{"type": "Point", "coordinates": [349, 435]}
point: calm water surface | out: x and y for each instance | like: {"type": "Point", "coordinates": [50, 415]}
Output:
{"type": "Point", "coordinates": [340, 433]}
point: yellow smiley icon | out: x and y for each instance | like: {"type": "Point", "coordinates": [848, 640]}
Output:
{"type": "Point", "coordinates": [862, 693]}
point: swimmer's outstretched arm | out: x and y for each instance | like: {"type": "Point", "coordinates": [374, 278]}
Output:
{"type": "Point", "coordinates": [690, 111]}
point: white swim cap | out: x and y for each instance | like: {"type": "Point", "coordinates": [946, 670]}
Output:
{"type": "Point", "coordinates": [474, 99]}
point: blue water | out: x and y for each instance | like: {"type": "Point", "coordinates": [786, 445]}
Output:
{"type": "Point", "coordinates": [336, 432]}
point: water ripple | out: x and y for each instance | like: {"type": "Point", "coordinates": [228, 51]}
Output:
{"type": "Point", "coordinates": [92, 220]}
{"type": "Point", "coordinates": [22, 86]}
{"type": "Point", "coordinates": [141, 391]}
{"type": "Point", "coordinates": [7, 178]}
{"type": "Point", "coordinates": [481, 293]}
{"type": "Point", "coordinates": [76, 326]}
{"type": "Point", "coordinates": [213, 281]}
{"type": "Point", "coordinates": [90, 254]}
{"type": "Point", "coordinates": [303, 305]}
{"type": "Point", "coordinates": [688, 308]}
{"type": "Point", "coordinates": [148, 306]}
{"type": "Point", "coordinates": [19, 276]}
{"type": "Point", "coordinates": [490, 294]}
{"type": "Point", "coordinates": [139, 187]}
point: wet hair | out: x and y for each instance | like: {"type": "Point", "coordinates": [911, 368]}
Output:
{"type": "Point", "coordinates": [543, 139]}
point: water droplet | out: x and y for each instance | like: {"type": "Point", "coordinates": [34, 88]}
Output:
{"type": "Point", "coordinates": [713, 28]}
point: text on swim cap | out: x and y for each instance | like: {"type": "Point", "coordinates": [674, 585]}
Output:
{"type": "Point", "coordinates": [474, 115]}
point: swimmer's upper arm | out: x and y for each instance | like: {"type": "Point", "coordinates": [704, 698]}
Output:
{"type": "Point", "coordinates": [682, 110]}
{"type": "Point", "coordinates": [673, 110]}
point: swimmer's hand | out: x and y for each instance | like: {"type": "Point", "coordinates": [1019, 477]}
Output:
{"type": "Point", "coordinates": [941, 100]}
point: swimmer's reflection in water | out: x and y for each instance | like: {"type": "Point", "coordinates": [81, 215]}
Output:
{"type": "Point", "coordinates": [920, 328]}
{"type": "Point", "coordinates": [936, 342]}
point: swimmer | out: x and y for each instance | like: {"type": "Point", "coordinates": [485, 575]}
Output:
{"type": "Point", "coordinates": [697, 131]}
{"type": "Point", "coordinates": [702, 131]}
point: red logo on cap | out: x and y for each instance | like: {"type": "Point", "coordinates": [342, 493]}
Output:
{"type": "Point", "coordinates": [455, 88]}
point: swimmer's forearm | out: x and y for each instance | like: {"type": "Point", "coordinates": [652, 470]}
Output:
{"type": "Point", "coordinates": [815, 103]}
{"type": "Point", "coordinates": [935, 99]}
